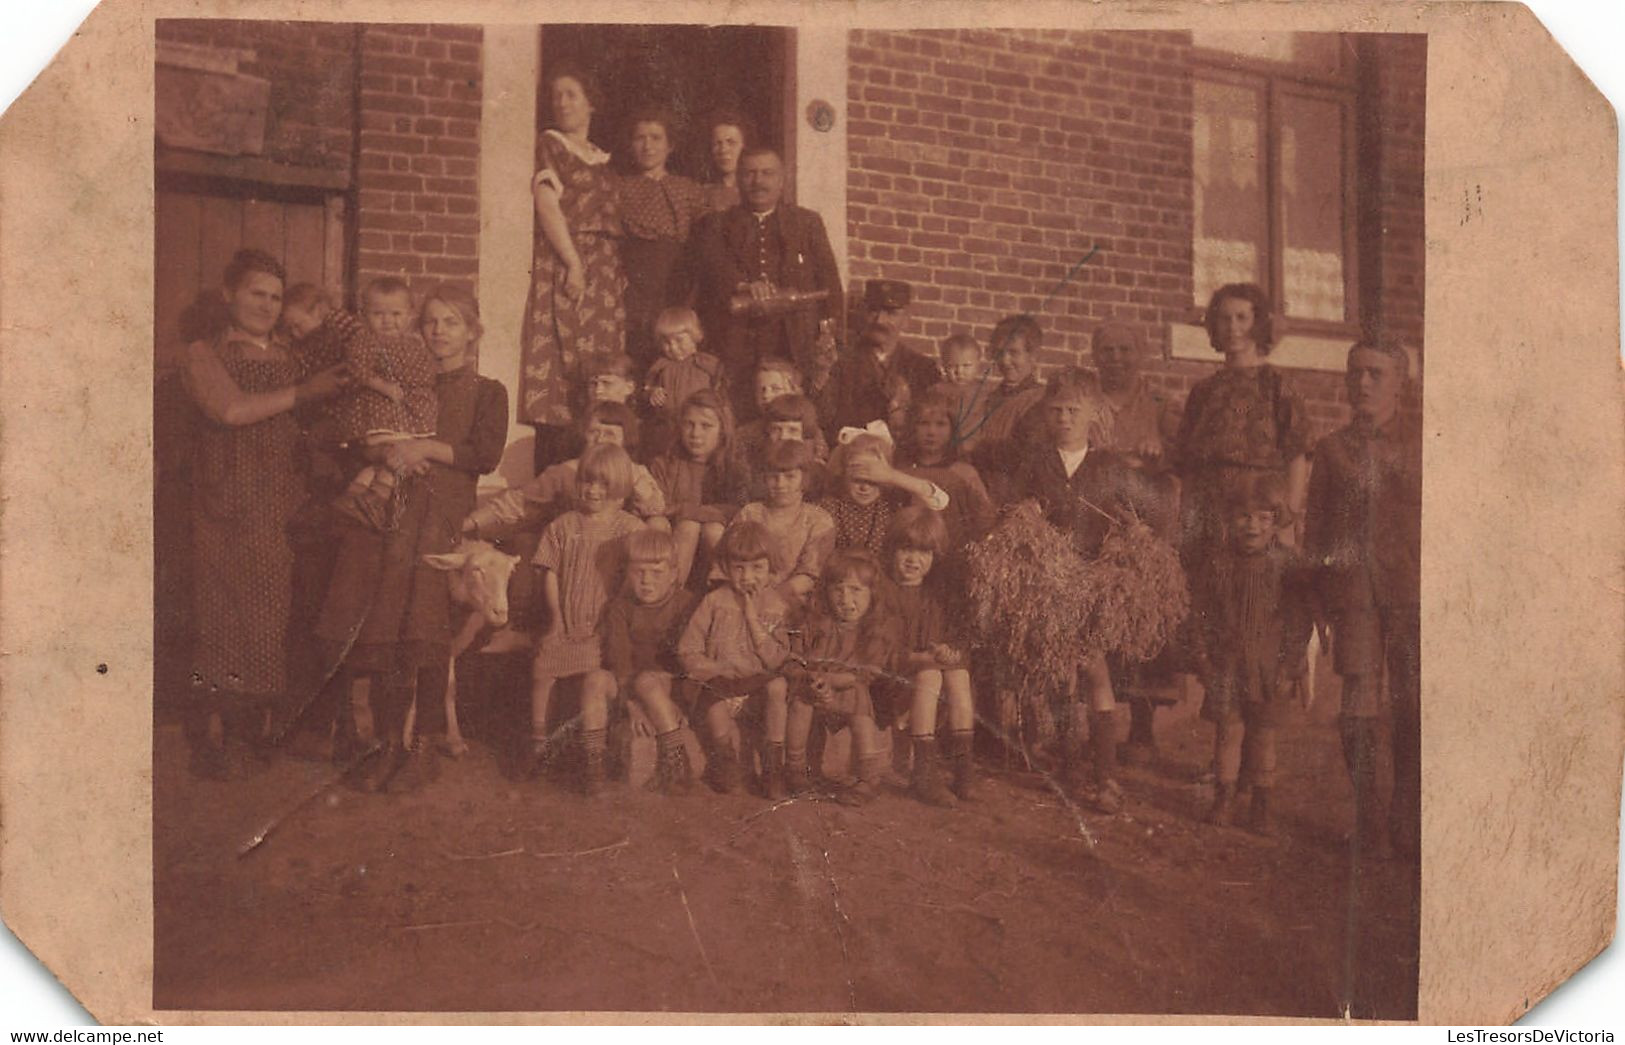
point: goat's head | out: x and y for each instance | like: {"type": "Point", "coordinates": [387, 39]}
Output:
{"type": "Point", "coordinates": [479, 578]}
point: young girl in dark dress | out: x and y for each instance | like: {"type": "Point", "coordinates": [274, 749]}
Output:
{"type": "Point", "coordinates": [387, 612]}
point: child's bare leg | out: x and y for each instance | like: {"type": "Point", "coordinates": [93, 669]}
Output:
{"type": "Point", "coordinates": [726, 749]}
{"type": "Point", "coordinates": [1258, 758]}
{"type": "Point", "coordinates": [797, 725]}
{"type": "Point", "coordinates": [774, 725]}
{"type": "Point", "coordinates": [653, 692]}
{"type": "Point", "coordinates": [542, 681]}
{"type": "Point", "coordinates": [597, 691]}
{"type": "Point", "coordinates": [1227, 739]}
{"type": "Point", "coordinates": [962, 724]}
{"type": "Point", "coordinates": [710, 536]}
{"type": "Point", "coordinates": [685, 537]}
{"type": "Point", "coordinates": [1102, 733]}
{"type": "Point", "coordinates": [926, 780]}
{"type": "Point", "coordinates": [778, 706]}
{"type": "Point", "coordinates": [922, 713]}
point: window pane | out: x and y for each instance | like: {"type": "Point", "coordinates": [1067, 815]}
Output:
{"type": "Point", "coordinates": [1231, 234]}
{"type": "Point", "coordinates": [1312, 185]}
{"type": "Point", "coordinates": [1322, 52]}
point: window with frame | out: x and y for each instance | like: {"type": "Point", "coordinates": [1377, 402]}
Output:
{"type": "Point", "coordinates": [1274, 167]}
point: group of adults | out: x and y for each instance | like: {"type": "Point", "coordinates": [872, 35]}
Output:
{"type": "Point", "coordinates": [615, 249]}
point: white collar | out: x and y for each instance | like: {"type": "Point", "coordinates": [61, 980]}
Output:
{"type": "Point", "coordinates": [763, 215]}
{"type": "Point", "coordinates": [1072, 459]}
{"type": "Point", "coordinates": [589, 153]}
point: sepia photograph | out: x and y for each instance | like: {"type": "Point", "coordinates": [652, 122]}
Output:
{"type": "Point", "coordinates": [746, 519]}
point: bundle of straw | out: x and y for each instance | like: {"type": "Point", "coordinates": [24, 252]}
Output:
{"type": "Point", "coordinates": [1137, 597]}
{"type": "Point", "coordinates": [1042, 608]}
{"type": "Point", "coordinates": [1027, 592]}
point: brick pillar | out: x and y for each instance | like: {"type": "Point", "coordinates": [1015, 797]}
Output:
{"type": "Point", "coordinates": [418, 176]}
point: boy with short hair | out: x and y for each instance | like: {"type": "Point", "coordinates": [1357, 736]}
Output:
{"type": "Point", "coordinates": [1364, 531]}
{"type": "Point", "coordinates": [731, 649]}
{"type": "Point", "coordinates": [1082, 491]}
{"type": "Point", "coordinates": [642, 627]}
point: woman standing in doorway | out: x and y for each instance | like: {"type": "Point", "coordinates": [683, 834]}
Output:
{"type": "Point", "coordinates": [658, 207]}
{"type": "Point", "coordinates": [576, 309]}
{"type": "Point", "coordinates": [726, 134]}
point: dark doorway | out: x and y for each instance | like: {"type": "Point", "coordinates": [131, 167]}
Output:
{"type": "Point", "coordinates": [690, 69]}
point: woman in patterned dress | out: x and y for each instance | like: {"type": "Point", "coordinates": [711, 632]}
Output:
{"type": "Point", "coordinates": [387, 613]}
{"type": "Point", "coordinates": [658, 208]}
{"type": "Point", "coordinates": [248, 481]}
{"type": "Point", "coordinates": [576, 308]}
{"type": "Point", "coordinates": [1244, 419]}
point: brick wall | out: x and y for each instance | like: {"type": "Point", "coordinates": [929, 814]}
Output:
{"type": "Point", "coordinates": [985, 164]}
{"type": "Point", "coordinates": [418, 178]}
{"type": "Point", "coordinates": [1399, 75]}
{"type": "Point", "coordinates": [311, 67]}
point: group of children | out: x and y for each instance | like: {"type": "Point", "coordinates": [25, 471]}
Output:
{"type": "Point", "coordinates": [772, 581]}
{"type": "Point", "coordinates": [750, 580]}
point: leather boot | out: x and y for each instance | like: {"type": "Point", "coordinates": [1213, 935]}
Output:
{"type": "Point", "coordinates": [963, 763]}
{"type": "Point", "coordinates": [593, 743]}
{"type": "Point", "coordinates": [927, 782]}
{"type": "Point", "coordinates": [1260, 821]}
{"type": "Point", "coordinates": [773, 784]}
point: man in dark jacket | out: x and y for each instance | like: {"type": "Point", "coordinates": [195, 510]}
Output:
{"type": "Point", "coordinates": [878, 379]}
{"type": "Point", "coordinates": [760, 249]}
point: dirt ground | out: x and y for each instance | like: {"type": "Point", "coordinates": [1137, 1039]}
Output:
{"type": "Point", "coordinates": [482, 894]}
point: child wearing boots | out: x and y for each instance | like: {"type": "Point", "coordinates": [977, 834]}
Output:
{"type": "Point", "coordinates": [1083, 490]}
{"type": "Point", "coordinates": [842, 647]}
{"type": "Point", "coordinates": [1254, 613]}
{"type": "Point", "coordinates": [642, 626]}
{"type": "Point", "coordinates": [582, 553]}
{"type": "Point", "coordinates": [932, 656]}
{"type": "Point", "coordinates": [733, 645]}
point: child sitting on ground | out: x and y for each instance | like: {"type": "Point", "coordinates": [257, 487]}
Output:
{"type": "Point", "coordinates": [932, 655]}
{"type": "Point", "coordinates": [1254, 614]}
{"type": "Point", "coordinates": [582, 552]}
{"type": "Point", "coordinates": [843, 645]}
{"type": "Point", "coordinates": [701, 477]}
{"type": "Point", "coordinates": [870, 489]}
{"type": "Point", "coordinates": [544, 498]}
{"type": "Point", "coordinates": [393, 398]}
{"type": "Point", "coordinates": [804, 533]}
{"type": "Point", "coordinates": [642, 626]}
{"type": "Point", "coordinates": [731, 648]}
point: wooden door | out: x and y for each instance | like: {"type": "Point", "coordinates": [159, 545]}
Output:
{"type": "Point", "coordinates": [196, 232]}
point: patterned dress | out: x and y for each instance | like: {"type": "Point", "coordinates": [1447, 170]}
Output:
{"type": "Point", "coordinates": [587, 555]}
{"type": "Point", "coordinates": [560, 334]}
{"type": "Point", "coordinates": [658, 213]}
{"type": "Point", "coordinates": [247, 485]}
{"type": "Point", "coordinates": [860, 525]}
{"type": "Point", "coordinates": [1237, 421]}
{"type": "Point", "coordinates": [406, 360]}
